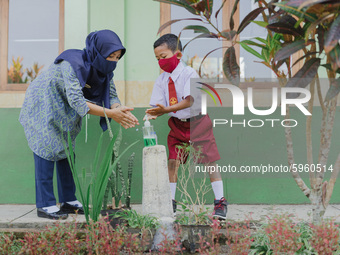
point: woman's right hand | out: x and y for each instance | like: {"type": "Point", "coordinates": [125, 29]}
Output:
{"type": "Point", "coordinates": [123, 116]}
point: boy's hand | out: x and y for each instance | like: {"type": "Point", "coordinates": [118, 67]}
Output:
{"type": "Point", "coordinates": [157, 111]}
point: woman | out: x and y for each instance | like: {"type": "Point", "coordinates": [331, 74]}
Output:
{"type": "Point", "coordinates": [78, 83]}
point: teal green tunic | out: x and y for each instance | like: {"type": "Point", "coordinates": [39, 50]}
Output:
{"type": "Point", "coordinates": [54, 105]}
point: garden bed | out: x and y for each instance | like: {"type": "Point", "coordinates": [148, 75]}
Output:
{"type": "Point", "coordinates": [279, 234]}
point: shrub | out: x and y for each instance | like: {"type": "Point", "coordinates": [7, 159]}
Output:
{"type": "Point", "coordinates": [325, 239]}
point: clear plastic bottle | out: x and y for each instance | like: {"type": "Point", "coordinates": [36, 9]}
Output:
{"type": "Point", "coordinates": [149, 135]}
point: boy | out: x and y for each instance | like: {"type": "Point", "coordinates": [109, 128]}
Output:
{"type": "Point", "coordinates": [171, 94]}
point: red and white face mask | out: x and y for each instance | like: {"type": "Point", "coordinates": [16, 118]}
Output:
{"type": "Point", "coordinates": [169, 64]}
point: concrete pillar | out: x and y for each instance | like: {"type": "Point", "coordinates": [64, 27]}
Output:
{"type": "Point", "coordinates": [156, 186]}
{"type": "Point", "coordinates": [156, 199]}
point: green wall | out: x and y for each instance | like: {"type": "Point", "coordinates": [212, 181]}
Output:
{"type": "Point", "coordinates": [237, 146]}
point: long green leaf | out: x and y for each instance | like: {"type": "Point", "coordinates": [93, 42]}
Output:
{"type": "Point", "coordinates": [333, 35]}
{"type": "Point", "coordinates": [230, 67]}
{"type": "Point", "coordinates": [260, 23]}
{"type": "Point", "coordinates": [97, 154]}
{"type": "Point", "coordinates": [71, 160]}
{"type": "Point", "coordinates": [106, 176]}
{"type": "Point", "coordinates": [250, 17]}
{"type": "Point", "coordinates": [251, 50]}
{"type": "Point", "coordinates": [249, 42]}
{"type": "Point", "coordinates": [333, 90]}
{"type": "Point", "coordinates": [262, 40]}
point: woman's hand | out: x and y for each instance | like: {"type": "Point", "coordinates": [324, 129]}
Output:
{"type": "Point", "coordinates": [123, 116]}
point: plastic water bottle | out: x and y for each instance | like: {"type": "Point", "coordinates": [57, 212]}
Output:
{"type": "Point", "coordinates": [149, 135]}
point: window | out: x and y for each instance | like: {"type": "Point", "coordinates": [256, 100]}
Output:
{"type": "Point", "coordinates": [31, 38]}
{"type": "Point", "coordinates": [194, 53]}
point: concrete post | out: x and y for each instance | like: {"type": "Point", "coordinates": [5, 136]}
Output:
{"type": "Point", "coordinates": [156, 199]}
{"type": "Point", "coordinates": [156, 187]}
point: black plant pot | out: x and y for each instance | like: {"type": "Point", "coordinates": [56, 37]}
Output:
{"type": "Point", "coordinates": [148, 238]}
{"type": "Point", "coordinates": [190, 236]}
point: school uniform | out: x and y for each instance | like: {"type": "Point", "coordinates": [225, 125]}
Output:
{"type": "Point", "coordinates": [187, 125]}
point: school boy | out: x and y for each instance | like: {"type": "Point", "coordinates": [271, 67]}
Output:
{"type": "Point", "coordinates": [171, 94]}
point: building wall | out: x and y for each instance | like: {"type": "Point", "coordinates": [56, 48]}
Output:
{"type": "Point", "coordinates": [245, 146]}
{"type": "Point", "coordinates": [137, 22]}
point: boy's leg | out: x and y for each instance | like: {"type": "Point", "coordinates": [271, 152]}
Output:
{"type": "Point", "coordinates": [173, 166]}
{"type": "Point", "coordinates": [220, 203]}
{"type": "Point", "coordinates": [216, 182]}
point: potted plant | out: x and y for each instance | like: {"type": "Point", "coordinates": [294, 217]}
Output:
{"type": "Point", "coordinates": [192, 215]}
{"type": "Point", "coordinates": [117, 185]}
{"type": "Point", "coordinates": [91, 196]}
{"type": "Point", "coordinates": [143, 225]}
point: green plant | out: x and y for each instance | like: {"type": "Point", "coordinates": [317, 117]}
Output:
{"type": "Point", "coordinates": [117, 185]}
{"type": "Point", "coordinates": [314, 28]}
{"type": "Point", "coordinates": [187, 217]}
{"type": "Point", "coordinates": [92, 196]}
{"type": "Point", "coordinates": [325, 238]}
{"type": "Point", "coordinates": [34, 71]}
{"type": "Point", "coordinates": [283, 235]}
{"type": "Point", "coordinates": [203, 10]}
{"type": "Point", "coordinates": [311, 26]}
{"type": "Point", "coordinates": [9, 244]}
{"type": "Point", "coordinates": [136, 220]}
{"type": "Point", "coordinates": [239, 238]}
{"type": "Point", "coordinates": [191, 206]}
{"type": "Point", "coordinates": [16, 72]}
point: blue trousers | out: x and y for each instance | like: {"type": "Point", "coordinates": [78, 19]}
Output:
{"type": "Point", "coordinates": [44, 182]}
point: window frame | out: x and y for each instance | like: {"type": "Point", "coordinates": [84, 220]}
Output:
{"type": "Point", "coordinates": [4, 21]}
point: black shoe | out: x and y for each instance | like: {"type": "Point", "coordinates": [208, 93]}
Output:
{"type": "Point", "coordinates": [72, 209]}
{"type": "Point", "coordinates": [174, 205]}
{"type": "Point", "coordinates": [220, 209]}
{"type": "Point", "coordinates": [54, 216]}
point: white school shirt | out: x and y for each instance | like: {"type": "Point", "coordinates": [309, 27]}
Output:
{"type": "Point", "coordinates": [181, 77]}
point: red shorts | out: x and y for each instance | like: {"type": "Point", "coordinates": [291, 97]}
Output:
{"type": "Point", "coordinates": [199, 132]}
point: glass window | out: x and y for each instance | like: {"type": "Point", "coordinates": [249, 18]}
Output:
{"type": "Point", "coordinates": [33, 38]}
{"type": "Point", "coordinates": [194, 53]}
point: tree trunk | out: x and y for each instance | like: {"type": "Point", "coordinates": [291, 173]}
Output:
{"type": "Point", "coordinates": [317, 206]}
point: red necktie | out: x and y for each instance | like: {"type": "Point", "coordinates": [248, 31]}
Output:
{"type": "Point", "coordinates": [172, 93]}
